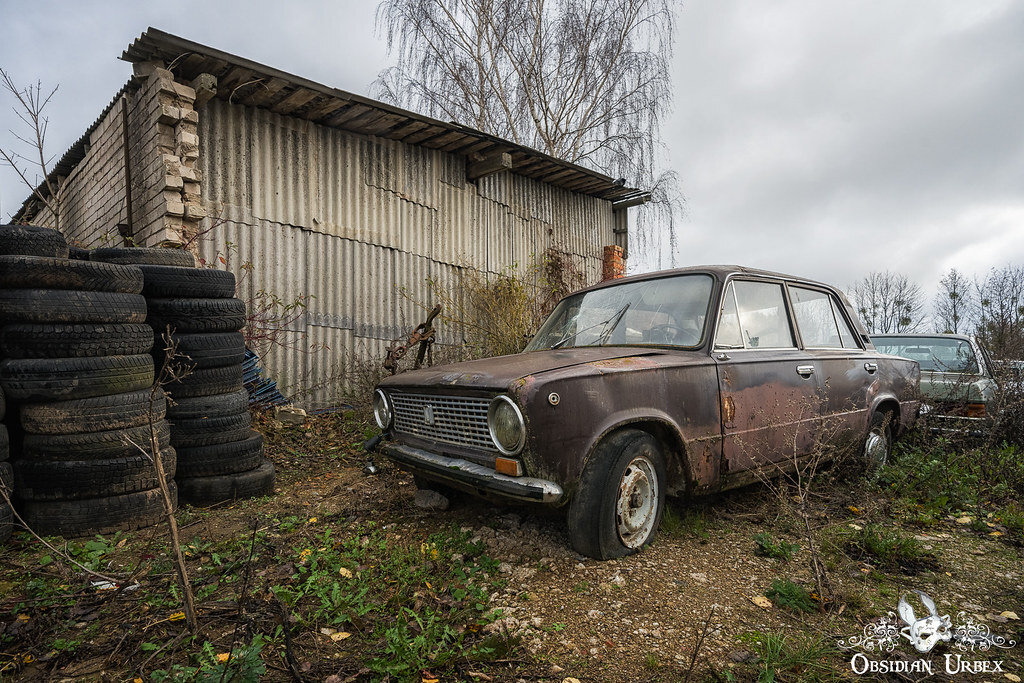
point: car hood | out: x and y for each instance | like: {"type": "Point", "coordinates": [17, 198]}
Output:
{"type": "Point", "coordinates": [501, 371]}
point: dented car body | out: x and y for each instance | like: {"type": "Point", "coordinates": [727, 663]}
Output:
{"type": "Point", "coordinates": [674, 383]}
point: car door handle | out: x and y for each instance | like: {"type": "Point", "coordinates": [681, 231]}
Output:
{"type": "Point", "coordinates": [871, 367]}
{"type": "Point", "coordinates": [805, 370]}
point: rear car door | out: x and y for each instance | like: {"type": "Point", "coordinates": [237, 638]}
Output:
{"type": "Point", "coordinates": [768, 387]}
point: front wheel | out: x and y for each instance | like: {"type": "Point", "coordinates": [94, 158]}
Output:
{"type": "Point", "coordinates": [621, 497]}
{"type": "Point", "coordinates": [878, 444]}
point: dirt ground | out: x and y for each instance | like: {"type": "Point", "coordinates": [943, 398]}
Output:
{"type": "Point", "coordinates": [683, 609]}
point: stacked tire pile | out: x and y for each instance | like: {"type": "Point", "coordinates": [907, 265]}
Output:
{"type": "Point", "coordinates": [6, 476]}
{"type": "Point", "coordinates": [77, 372]}
{"type": "Point", "coordinates": [196, 322]}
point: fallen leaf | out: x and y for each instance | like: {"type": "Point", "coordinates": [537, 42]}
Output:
{"type": "Point", "coordinates": [855, 510]}
{"type": "Point", "coordinates": [347, 573]}
{"type": "Point", "coordinates": [479, 674]}
{"type": "Point", "coordinates": [963, 520]}
{"type": "Point", "coordinates": [340, 635]}
{"type": "Point", "coordinates": [855, 527]}
{"type": "Point", "coordinates": [996, 533]}
{"type": "Point", "coordinates": [223, 656]}
{"type": "Point", "coordinates": [312, 520]}
{"type": "Point", "coordinates": [1012, 677]}
{"type": "Point", "coordinates": [177, 616]}
{"type": "Point", "coordinates": [761, 601]}
{"type": "Point", "coordinates": [1010, 615]}
{"type": "Point", "coordinates": [23, 618]}
{"type": "Point", "coordinates": [327, 631]}
{"type": "Point", "coordinates": [570, 680]}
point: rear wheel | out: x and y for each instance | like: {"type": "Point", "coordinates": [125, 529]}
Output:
{"type": "Point", "coordinates": [621, 497]}
{"type": "Point", "coordinates": [878, 444]}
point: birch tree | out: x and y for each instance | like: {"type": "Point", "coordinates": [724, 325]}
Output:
{"type": "Point", "coordinates": [953, 303]}
{"type": "Point", "coordinates": [586, 81]}
{"type": "Point", "coordinates": [888, 303]}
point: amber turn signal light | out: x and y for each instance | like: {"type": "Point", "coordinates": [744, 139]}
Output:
{"type": "Point", "coordinates": [512, 468]}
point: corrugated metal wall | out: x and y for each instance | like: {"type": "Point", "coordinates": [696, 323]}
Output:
{"type": "Point", "coordinates": [358, 227]}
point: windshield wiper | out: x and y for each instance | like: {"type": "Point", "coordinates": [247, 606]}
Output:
{"type": "Point", "coordinates": [612, 321]}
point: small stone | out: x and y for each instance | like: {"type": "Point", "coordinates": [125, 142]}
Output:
{"type": "Point", "coordinates": [595, 614]}
{"type": "Point", "coordinates": [430, 500]}
{"type": "Point", "coordinates": [289, 415]}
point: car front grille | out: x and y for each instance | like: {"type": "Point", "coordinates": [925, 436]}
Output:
{"type": "Point", "coordinates": [457, 420]}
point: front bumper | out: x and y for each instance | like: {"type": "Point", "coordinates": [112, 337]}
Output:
{"type": "Point", "coordinates": [468, 475]}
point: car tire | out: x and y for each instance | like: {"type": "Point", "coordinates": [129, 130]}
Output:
{"type": "Point", "coordinates": [5, 443]}
{"type": "Point", "coordinates": [878, 443]}
{"type": "Point", "coordinates": [177, 281]}
{"type": "Point", "coordinates": [196, 315]}
{"type": "Point", "coordinates": [39, 272]}
{"type": "Point", "coordinates": [137, 256]}
{"type": "Point", "coordinates": [32, 240]}
{"type": "Point", "coordinates": [70, 306]}
{"type": "Point", "coordinates": [206, 382]}
{"type": "Point", "coordinates": [208, 349]}
{"type": "Point", "coordinates": [218, 405]}
{"type": "Point", "coordinates": [104, 445]}
{"type": "Point", "coordinates": [6, 521]}
{"type": "Point", "coordinates": [75, 340]}
{"type": "Point", "coordinates": [3, 401]}
{"type": "Point", "coordinates": [212, 490]}
{"type": "Point", "coordinates": [60, 379]}
{"type": "Point", "coordinates": [620, 500]}
{"type": "Point", "coordinates": [101, 413]}
{"type": "Point", "coordinates": [221, 459]}
{"type": "Point", "coordinates": [211, 431]}
{"type": "Point", "coordinates": [93, 478]}
{"type": "Point", "coordinates": [89, 516]}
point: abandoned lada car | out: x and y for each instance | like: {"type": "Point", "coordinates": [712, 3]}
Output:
{"type": "Point", "coordinates": [672, 383]}
{"type": "Point", "coordinates": [958, 386]}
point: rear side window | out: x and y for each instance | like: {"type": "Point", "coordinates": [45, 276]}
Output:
{"type": "Point", "coordinates": [754, 316]}
{"type": "Point", "coordinates": [821, 324]}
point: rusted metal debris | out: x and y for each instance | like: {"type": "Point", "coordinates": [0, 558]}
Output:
{"type": "Point", "coordinates": [423, 335]}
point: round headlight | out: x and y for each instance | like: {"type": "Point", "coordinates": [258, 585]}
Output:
{"type": "Point", "coordinates": [381, 409]}
{"type": "Point", "coordinates": [505, 422]}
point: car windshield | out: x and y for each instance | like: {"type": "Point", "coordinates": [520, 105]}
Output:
{"type": "Point", "coordinates": [669, 311]}
{"type": "Point", "coordinates": [940, 354]}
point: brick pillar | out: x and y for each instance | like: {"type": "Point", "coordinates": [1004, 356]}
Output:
{"type": "Point", "coordinates": [614, 264]}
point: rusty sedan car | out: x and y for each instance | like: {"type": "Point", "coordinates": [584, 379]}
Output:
{"type": "Point", "coordinates": [672, 383]}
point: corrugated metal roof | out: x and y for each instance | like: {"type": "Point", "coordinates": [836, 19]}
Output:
{"type": "Point", "coordinates": [242, 81]}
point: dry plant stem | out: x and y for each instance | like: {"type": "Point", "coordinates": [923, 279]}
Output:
{"type": "Point", "coordinates": [701, 637]}
{"type": "Point", "coordinates": [167, 373]}
{"type": "Point", "coordinates": [56, 551]}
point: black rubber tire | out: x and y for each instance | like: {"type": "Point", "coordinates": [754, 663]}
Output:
{"type": "Point", "coordinates": [218, 405]}
{"type": "Point", "coordinates": [5, 443]}
{"type": "Point", "coordinates": [91, 516]}
{"type": "Point", "coordinates": [196, 315]}
{"type": "Point", "coordinates": [78, 253]}
{"type": "Point", "coordinates": [176, 281]}
{"type": "Point", "coordinates": [3, 401]}
{"type": "Point", "coordinates": [594, 525]}
{"type": "Point", "coordinates": [208, 349]}
{"type": "Point", "coordinates": [93, 478]}
{"type": "Point", "coordinates": [6, 479]}
{"type": "Point", "coordinates": [101, 413]}
{"type": "Point", "coordinates": [32, 240]}
{"type": "Point", "coordinates": [75, 340]}
{"type": "Point", "coordinates": [223, 458]}
{"type": "Point", "coordinates": [6, 522]}
{"type": "Point", "coordinates": [210, 431]}
{"type": "Point", "coordinates": [38, 272]}
{"type": "Point", "coordinates": [137, 256]}
{"type": "Point", "coordinates": [63, 379]}
{"type": "Point", "coordinates": [105, 445]}
{"type": "Point", "coordinates": [70, 306]}
{"type": "Point", "coordinates": [212, 490]}
{"type": "Point", "coordinates": [207, 382]}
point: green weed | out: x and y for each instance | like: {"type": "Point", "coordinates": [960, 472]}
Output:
{"type": "Point", "coordinates": [767, 546]}
{"type": "Point", "coordinates": [785, 593]}
{"type": "Point", "coordinates": [787, 657]}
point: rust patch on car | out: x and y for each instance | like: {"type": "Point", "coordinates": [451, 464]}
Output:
{"type": "Point", "coordinates": [627, 363]}
{"type": "Point", "coordinates": [728, 409]}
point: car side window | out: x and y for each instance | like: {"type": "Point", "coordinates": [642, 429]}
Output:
{"type": "Point", "coordinates": [756, 318]}
{"type": "Point", "coordinates": [845, 333]}
{"type": "Point", "coordinates": [821, 324]}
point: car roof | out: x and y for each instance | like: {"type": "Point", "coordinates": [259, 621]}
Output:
{"type": "Point", "coordinates": [720, 272]}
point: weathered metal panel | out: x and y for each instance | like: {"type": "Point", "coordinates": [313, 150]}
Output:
{"type": "Point", "coordinates": [374, 292]}
{"type": "Point", "coordinates": [284, 154]}
{"type": "Point", "coordinates": [455, 233]}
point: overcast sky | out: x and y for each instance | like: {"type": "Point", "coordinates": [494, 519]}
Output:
{"type": "Point", "coordinates": [824, 138]}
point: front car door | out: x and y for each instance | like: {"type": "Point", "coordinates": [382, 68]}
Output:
{"type": "Point", "coordinates": [769, 387]}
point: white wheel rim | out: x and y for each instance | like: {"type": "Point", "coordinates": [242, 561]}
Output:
{"type": "Point", "coordinates": [875, 449]}
{"type": "Point", "coordinates": [636, 507]}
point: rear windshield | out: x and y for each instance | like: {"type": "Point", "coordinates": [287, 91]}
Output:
{"type": "Point", "coordinates": [941, 354]}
